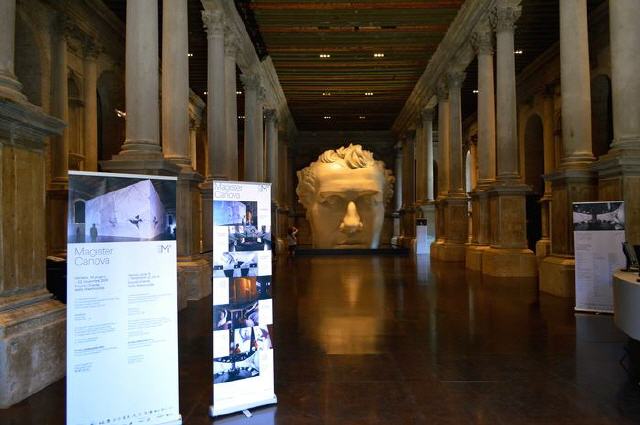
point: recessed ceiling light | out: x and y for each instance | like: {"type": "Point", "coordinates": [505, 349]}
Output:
{"type": "Point", "coordinates": [325, 55]}
{"type": "Point", "coordinates": [362, 117]}
{"type": "Point", "coordinates": [238, 92]}
{"type": "Point", "coordinates": [190, 55]}
{"type": "Point", "coordinates": [120, 114]}
{"type": "Point", "coordinates": [240, 117]}
{"type": "Point", "coordinates": [517, 52]}
{"type": "Point", "coordinates": [368, 93]}
{"type": "Point", "coordinates": [327, 117]}
{"type": "Point", "coordinates": [326, 93]}
{"type": "Point", "coordinates": [205, 93]}
{"type": "Point", "coordinates": [378, 55]}
{"type": "Point", "coordinates": [475, 91]}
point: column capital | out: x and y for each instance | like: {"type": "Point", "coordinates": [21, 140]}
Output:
{"type": "Point", "coordinates": [250, 81]}
{"type": "Point", "coordinates": [427, 115]}
{"type": "Point", "coordinates": [271, 116]}
{"type": "Point", "coordinates": [213, 23]}
{"type": "Point", "coordinates": [262, 93]}
{"type": "Point", "coordinates": [482, 38]}
{"type": "Point", "coordinates": [455, 79]}
{"type": "Point", "coordinates": [194, 123]}
{"type": "Point", "coordinates": [442, 91]}
{"type": "Point", "coordinates": [90, 48]}
{"type": "Point", "coordinates": [65, 26]}
{"type": "Point", "coordinates": [231, 43]}
{"type": "Point", "coordinates": [505, 15]}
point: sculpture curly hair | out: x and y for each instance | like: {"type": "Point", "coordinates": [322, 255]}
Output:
{"type": "Point", "coordinates": [353, 157]}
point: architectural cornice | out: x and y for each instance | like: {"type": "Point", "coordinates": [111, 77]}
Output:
{"type": "Point", "coordinates": [456, 38]}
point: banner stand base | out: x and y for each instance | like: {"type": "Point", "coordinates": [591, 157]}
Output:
{"type": "Point", "coordinates": [214, 412]}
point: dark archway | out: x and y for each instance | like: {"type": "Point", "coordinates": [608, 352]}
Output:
{"type": "Point", "coordinates": [533, 172]}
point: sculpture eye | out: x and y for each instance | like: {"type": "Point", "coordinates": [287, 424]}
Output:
{"type": "Point", "coordinates": [368, 201]}
{"type": "Point", "coordinates": [332, 201]}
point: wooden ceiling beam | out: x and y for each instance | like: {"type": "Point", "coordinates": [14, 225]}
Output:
{"type": "Point", "coordinates": [386, 5]}
{"type": "Point", "coordinates": [359, 29]}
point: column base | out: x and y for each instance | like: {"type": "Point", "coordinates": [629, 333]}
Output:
{"type": "Point", "coordinates": [473, 257]}
{"type": "Point", "coordinates": [32, 346]}
{"type": "Point", "coordinates": [557, 276]}
{"type": "Point", "coordinates": [194, 279]}
{"type": "Point", "coordinates": [543, 249]}
{"type": "Point", "coordinates": [11, 88]}
{"type": "Point", "coordinates": [452, 252]}
{"type": "Point", "coordinates": [509, 262]}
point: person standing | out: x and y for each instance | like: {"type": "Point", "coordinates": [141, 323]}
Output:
{"type": "Point", "coordinates": [292, 240]}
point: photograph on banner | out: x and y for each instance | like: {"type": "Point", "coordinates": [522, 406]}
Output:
{"type": "Point", "coordinates": [120, 209]}
{"type": "Point", "coordinates": [245, 231]}
{"type": "Point", "coordinates": [234, 316]}
{"type": "Point", "coordinates": [596, 216]}
{"type": "Point", "coordinates": [264, 287]}
{"type": "Point", "coordinates": [236, 264]}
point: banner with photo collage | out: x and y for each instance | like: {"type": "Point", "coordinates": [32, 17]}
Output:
{"type": "Point", "coordinates": [122, 314]}
{"type": "Point", "coordinates": [598, 234]}
{"type": "Point", "coordinates": [242, 301]}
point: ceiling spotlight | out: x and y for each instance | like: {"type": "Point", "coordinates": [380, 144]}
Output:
{"type": "Point", "coordinates": [190, 55]}
{"type": "Point", "coordinates": [362, 117]}
{"type": "Point", "coordinates": [120, 114]}
{"type": "Point", "coordinates": [238, 92]}
{"type": "Point", "coordinates": [325, 55]}
{"type": "Point", "coordinates": [368, 93]}
{"type": "Point", "coordinates": [475, 91]}
{"type": "Point", "coordinates": [326, 93]}
{"type": "Point", "coordinates": [240, 117]}
{"type": "Point", "coordinates": [205, 93]}
{"type": "Point", "coordinates": [327, 117]}
{"type": "Point", "coordinates": [378, 55]}
{"type": "Point", "coordinates": [517, 52]}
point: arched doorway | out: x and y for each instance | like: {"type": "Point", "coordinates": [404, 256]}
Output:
{"type": "Point", "coordinates": [533, 172]}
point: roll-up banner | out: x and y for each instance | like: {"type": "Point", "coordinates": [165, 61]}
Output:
{"type": "Point", "coordinates": [598, 234]}
{"type": "Point", "coordinates": [242, 301]}
{"type": "Point", "coordinates": [122, 324]}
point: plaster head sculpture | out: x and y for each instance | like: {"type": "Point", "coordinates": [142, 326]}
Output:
{"type": "Point", "coordinates": [344, 193]}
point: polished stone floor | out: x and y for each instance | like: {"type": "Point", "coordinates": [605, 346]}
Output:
{"type": "Point", "coordinates": [395, 340]}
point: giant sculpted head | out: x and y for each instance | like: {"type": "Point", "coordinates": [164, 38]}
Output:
{"type": "Point", "coordinates": [344, 193]}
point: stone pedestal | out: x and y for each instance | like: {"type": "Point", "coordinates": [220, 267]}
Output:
{"type": "Point", "coordinates": [557, 270]}
{"type": "Point", "coordinates": [32, 325]}
{"type": "Point", "coordinates": [480, 237]}
{"type": "Point", "coordinates": [508, 256]}
{"type": "Point", "coordinates": [453, 248]}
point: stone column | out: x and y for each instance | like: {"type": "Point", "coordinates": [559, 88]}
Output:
{"type": "Point", "coordinates": [10, 88]}
{"type": "Point", "coordinates": [272, 151]}
{"type": "Point", "coordinates": [426, 159]}
{"type": "Point", "coordinates": [175, 82]}
{"type": "Point", "coordinates": [619, 170]}
{"type": "Point", "coordinates": [57, 193]}
{"type": "Point", "coordinates": [216, 109]}
{"type": "Point", "coordinates": [231, 102]}
{"type": "Point", "coordinates": [574, 181]}
{"type": "Point", "coordinates": [443, 169]}
{"type": "Point", "coordinates": [543, 246]}
{"type": "Point", "coordinates": [508, 255]}
{"type": "Point", "coordinates": [260, 136]}
{"type": "Point", "coordinates": [141, 85]}
{"type": "Point", "coordinates": [194, 126]}
{"type": "Point", "coordinates": [455, 214]}
{"type": "Point", "coordinates": [253, 133]}
{"type": "Point", "coordinates": [421, 169]}
{"type": "Point", "coordinates": [398, 191]}
{"type": "Point", "coordinates": [483, 42]}
{"type": "Point", "coordinates": [90, 52]}
{"type": "Point", "coordinates": [60, 105]}
{"type": "Point", "coordinates": [32, 325]}
{"type": "Point", "coordinates": [408, 215]}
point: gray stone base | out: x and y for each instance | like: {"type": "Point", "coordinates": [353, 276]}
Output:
{"type": "Point", "coordinates": [473, 258]}
{"type": "Point", "coordinates": [557, 276]}
{"type": "Point", "coordinates": [509, 262]}
{"type": "Point", "coordinates": [194, 280]}
{"type": "Point", "coordinates": [32, 346]}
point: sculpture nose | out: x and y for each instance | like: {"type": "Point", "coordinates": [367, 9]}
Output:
{"type": "Point", "coordinates": [351, 221]}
